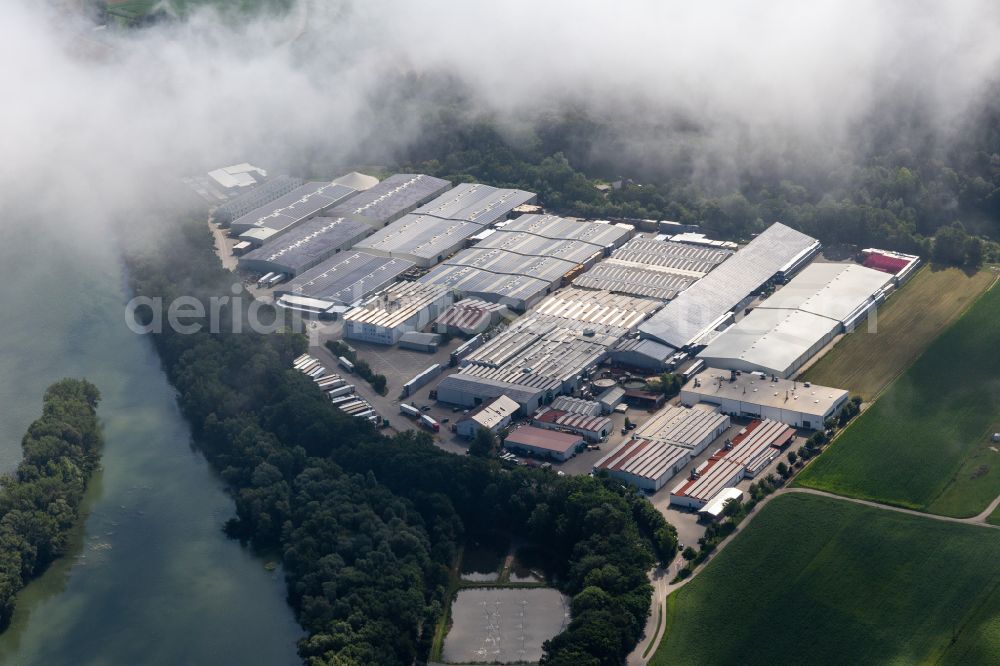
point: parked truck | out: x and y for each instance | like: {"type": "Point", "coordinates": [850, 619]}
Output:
{"type": "Point", "coordinates": [345, 363]}
{"type": "Point", "coordinates": [430, 423]}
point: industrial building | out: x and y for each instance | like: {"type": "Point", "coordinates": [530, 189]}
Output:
{"type": "Point", "coordinates": [481, 204]}
{"type": "Point", "coordinates": [469, 316]}
{"type": "Point", "coordinates": [661, 447]}
{"type": "Point", "coordinates": [421, 239]}
{"type": "Point", "coordinates": [547, 351]}
{"type": "Point", "coordinates": [567, 403]}
{"type": "Point", "coordinates": [750, 451]}
{"type": "Point", "coordinates": [591, 428]}
{"type": "Point", "coordinates": [691, 429]}
{"type": "Point", "coordinates": [786, 330]}
{"type": "Point", "coordinates": [610, 398]}
{"type": "Point", "coordinates": [644, 463]}
{"type": "Point", "coordinates": [492, 417]}
{"type": "Point", "coordinates": [253, 199]}
{"type": "Point", "coordinates": [391, 199]}
{"type": "Point", "coordinates": [407, 306]}
{"type": "Point", "coordinates": [756, 395]}
{"type": "Point", "coordinates": [305, 246]}
{"type": "Point", "coordinates": [527, 258]}
{"type": "Point", "coordinates": [440, 228]}
{"type": "Point", "coordinates": [775, 254]}
{"type": "Point", "coordinates": [654, 268]}
{"type": "Point", "coordinates": [331, 287]}
{"type": "Point", "coordinates": [646, 355]}
{"type": "Point", "coordinates": [900, 266]}
{"type": "Point", "coordinates": [285, 212]}
{"type": "Point", "coordinates": [541, 443]}
{"type": "Point", "coordinates": [421, 342]}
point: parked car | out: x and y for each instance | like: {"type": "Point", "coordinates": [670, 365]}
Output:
{"type": "Point", "coordinates": [425, 408]}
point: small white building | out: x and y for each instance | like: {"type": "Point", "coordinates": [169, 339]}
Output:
{"type": "Point", "coordinates": [717, 504]}
{"type": "Point", "coordinates": [492, 417]}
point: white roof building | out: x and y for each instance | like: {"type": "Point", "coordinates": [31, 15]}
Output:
{"type": "Point", "coordinates": [777, 252]}
{"type": "Point", "coordinates": [798, 320]}
{"type": "Point", "coordinates": [492, 417]}
{"type": "Point", "coordinates": [756, 395]}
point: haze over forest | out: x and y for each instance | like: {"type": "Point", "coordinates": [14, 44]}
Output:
{"type": "Point", "coordinates": [655, 90]}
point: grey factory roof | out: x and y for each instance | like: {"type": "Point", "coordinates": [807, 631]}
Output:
{"type": "Point", "coordinates": [648, 348]}
{"type": "Point", "coordinates": [501, 262]}
{"type": "Point", "coordinates": [635, 280]}
{"type": "Point", "coordinates": [682, 426]}
{"type": "Point", "coordinates": [567, 403]}
{"type": "Point", "coordinates": [654, 268]}
{"type": "Point", "coordinates": [517, 291]}
{"type": "Point", "coordinates": [392, 198]}
{"type": "Point", "coordinates": [484, 386]}
{"type": "Point", "coordinates": [698, 309]}
{"type": "Point", "coordinates": [346, 278]}
{"type": "Point", "coordinates": [309, 243]}
{"type": "Point", "coordinates": [563, 335]}
{"type": "Point", "coordinates": [599, 234]}
{"type": "Point", "coordinates": [419, 236]}
{"type": "Point", "coordinates": [673, 257]}
{"type": "Point", "coordinates": [298, 205]}
{"type": "Point", "coordinates": [525, 258]}
{"type": "Point", "coordinates": [475, 202]}
{"type": "Point", "coordinates": [258, 196]}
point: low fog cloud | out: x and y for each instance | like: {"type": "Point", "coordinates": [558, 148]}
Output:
{"type": "Point", "coordinates": [98, 119]}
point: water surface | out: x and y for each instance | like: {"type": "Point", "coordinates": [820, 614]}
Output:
{"type": "Point", "coordinates": [152, 579]}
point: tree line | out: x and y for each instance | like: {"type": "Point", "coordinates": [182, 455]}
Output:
{"type": "Point", "coordinates": [369, 526]}
{"type": "Point", "coordinates": [945, 206]}
{"type": "Point", "coordinates": [40, 500]}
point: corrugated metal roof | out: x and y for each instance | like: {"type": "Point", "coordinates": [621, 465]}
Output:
{"type": "Point", "coordinates": [394, 197]}
{"type": "Point", "coordinates": [312, 240]}
{"type": "Point", "coordinates": [682, 426]}
{"type": "Point", "coordinates": [698, 308]}
{"type": "Point", "coordinates": [346, 278]}
{"type": "Point", "coordinates": [300, 204]}
{"type": "Point", "coordinates": [644, 458]}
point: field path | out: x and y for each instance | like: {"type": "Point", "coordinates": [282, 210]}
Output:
{"type": "Point", "coordinates": [981, 518]}
{"type": "Point", "coordinates": [662, 588]}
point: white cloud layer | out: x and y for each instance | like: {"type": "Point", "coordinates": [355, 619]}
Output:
{"type": "Point", "coordinates": [101, 117]}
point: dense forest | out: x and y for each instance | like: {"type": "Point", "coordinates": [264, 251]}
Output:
{"type": "Point", "coordinates": [902, 186]}
{"type": "Point", "coordinates": [369, 526]}
{"type": "Point", "coordinates": [40, 500]}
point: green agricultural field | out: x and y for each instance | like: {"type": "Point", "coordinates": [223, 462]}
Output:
{"type": "Point", "coordinates": [864, 363]}
{"type": "Point", "coordinates": [815, 580]}
{"type": "Point", "coordinates": [925, 444]}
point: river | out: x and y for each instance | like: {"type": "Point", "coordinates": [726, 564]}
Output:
{"type": "Point", "coordinates": [152, 579]}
